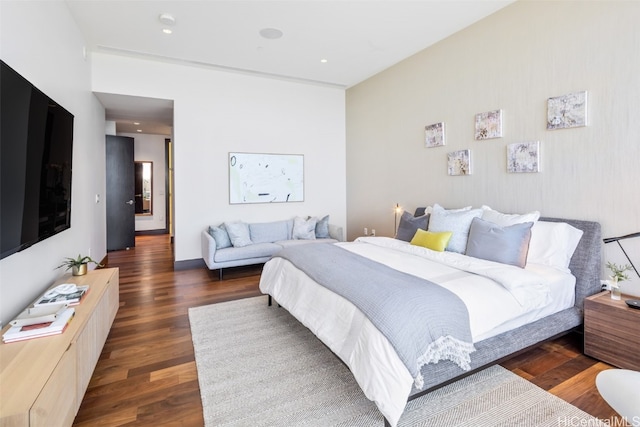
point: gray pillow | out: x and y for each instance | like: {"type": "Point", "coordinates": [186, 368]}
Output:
{"type": "Point", "coordinates": [304, 229]}
{"type": "Point", "coordinates": [456, 221]}
{"type": "Point", "coordinates": [221, 236]}
{"type": "Point", "coordinates": [507, 245]}
{"type": "Point", "coordinates": [322, 228]}
{"type": "Point", "coordinates": [269, 232]}
{"type": "Point", "coordinates": [238, 233]}
{"type": "Point", "coordinates": [409, 225]}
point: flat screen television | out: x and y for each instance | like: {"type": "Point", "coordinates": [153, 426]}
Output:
{"type": "Point", "coordinates": [36, 145]}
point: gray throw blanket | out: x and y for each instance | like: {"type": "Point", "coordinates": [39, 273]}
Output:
{"type": "Point", "coordinates": [423, 322]}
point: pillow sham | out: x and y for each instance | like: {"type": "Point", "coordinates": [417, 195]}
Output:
{"type": "Point", "coordinates": [458, 222]}
{"type": "Point", "coordinates": [503, 219]}
{"type": "Point", "coordinates": [410, 224]}
{"type": "Point", "coordinates": [506, 245]}
{"type": "Point", "coordinates": [430, 240]}
{"type": "Point", "coordinates": [238, 233]}
{"type": "Point", "coordinates": [553, 244]}
{"type": "Point", "coordinates": [322, 228]}
{"type": "Point", "coordinates": [221, 236]}
{"type": "Point", "coordinates": [304, 229]}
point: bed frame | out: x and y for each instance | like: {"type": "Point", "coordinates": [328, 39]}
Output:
{"type": "Point", "coordinates": [585, 265]}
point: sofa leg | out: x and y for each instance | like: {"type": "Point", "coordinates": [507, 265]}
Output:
{"type": "Point", "coordinates": [220, 273]}
{"type": "Point", "coordinates": [269, 303]}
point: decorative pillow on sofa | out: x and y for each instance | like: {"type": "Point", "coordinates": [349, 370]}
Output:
{"type": "Point", "coordinates": [500, 218]}
{"type": "Point", "coordinates": [410, 224]}
{"type": "Point", "coordinates": [553, 244]}
{"type": "Point", "coordinates": [430, 240]}
{"type": "Point", "coordinates": [220, 235]}
{"type": "Point", "coordinates": [507, 245]}
{"type": "Point", "coordinates": [304, 229]}
{"type": "Point", "coordinates": [269, 232]}
{"type": "Point", "coordinates": [238, 233]}
{"type": "Point", "coordinates": [322, 228]}
{"type": "Point", "coordinates": [458, 222]}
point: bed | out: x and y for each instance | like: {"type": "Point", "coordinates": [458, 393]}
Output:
{"type": "Point", "coordinates": [504, 320]}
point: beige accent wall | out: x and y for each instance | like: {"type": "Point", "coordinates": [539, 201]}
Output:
{"type": "Point", "coordinates": [513, 60]}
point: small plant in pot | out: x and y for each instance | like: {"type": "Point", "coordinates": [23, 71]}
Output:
{"type": "Point", "coordinates": [78, 265]}
{"type": "Point", "coordinates": [617, 275]}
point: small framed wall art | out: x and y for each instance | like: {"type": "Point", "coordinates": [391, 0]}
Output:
{"type": "Point", "coordinates": [434, 135]}
{"type": "Point", "coordinates": [489, 125]}
{"type": "Point", "coordinates": [459, 162]}
{"type": "Point", "coordinates": [523, 157]}
{"type": "Point", "coordinates": [567, 111]}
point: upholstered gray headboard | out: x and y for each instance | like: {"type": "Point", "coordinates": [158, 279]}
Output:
{"type": "Point", "coordinates": [586, 262]}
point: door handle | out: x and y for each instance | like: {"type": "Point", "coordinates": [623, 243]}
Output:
{"type": "Point", "coordinates": [130, 202]}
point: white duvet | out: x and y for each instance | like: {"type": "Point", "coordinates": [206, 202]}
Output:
{"type": "Point", "coordinates": [498, 298]}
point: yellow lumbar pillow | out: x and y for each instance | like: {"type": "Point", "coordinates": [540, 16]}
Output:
{"type": "Point", "coordinates": [431, 240]}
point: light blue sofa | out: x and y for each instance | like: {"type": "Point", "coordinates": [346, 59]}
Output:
{"type": "Point", "coordinates": [267, 238]}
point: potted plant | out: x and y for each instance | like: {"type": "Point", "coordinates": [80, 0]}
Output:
{"type": "Point", "coordinates": [617, 276]}
{"type": "Point", "coordinates": [78, 265]}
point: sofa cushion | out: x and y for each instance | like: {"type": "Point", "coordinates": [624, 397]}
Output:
{"type": "Point", "coordinates": [289, 243]}
{"type": "Point", "coordinates": [269, 232]}
{"type": "Point", "coordinates": [304, 229]}
{"type": "Point", "coordinates": [220, 235]}
{"type": "Point", "coordinates": [257, 250]}
{"type": "Point", "coordinates": [322, 228]}
{"type": "Point", "coordinates": [238, 233]}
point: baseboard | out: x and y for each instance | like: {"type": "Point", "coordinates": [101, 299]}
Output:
{"type": "Point", "coordinates": [189, 264]}
{"type": "Point", "coordinates": [151, 232]}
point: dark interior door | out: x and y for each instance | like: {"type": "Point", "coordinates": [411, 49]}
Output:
{"type": "Point", "coordinates": [121, 232]}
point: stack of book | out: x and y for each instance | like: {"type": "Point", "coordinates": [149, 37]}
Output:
{"type": "Point", "coordinates": [38, 322]}
{"type": "Point", "coordinates": [50, 314]}
{"type": "Point", "coordinates": [66, 293]}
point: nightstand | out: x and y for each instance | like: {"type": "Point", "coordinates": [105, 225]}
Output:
{"type": "Point", "coordinates": [612, 331]}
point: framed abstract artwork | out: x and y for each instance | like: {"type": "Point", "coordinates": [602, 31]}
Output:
{"type": "Point", "coordinates": [266, 178]}
{"type": "Point", "coordinates": [523, 157]}
{"type": "Point", "coordinates": [459, 162]}
{"type": "Point", "coordinates": [434, 135]}
{"type": "Point", "coordinates": [489, 125]}
{"type": "Point", "coordinates": [567, 111]}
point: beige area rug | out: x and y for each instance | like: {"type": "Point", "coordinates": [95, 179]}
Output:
{"type": "Point", "coordinates": [258, 366]}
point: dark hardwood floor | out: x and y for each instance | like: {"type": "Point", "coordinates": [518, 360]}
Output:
{"type": "Point", "coordinates": [146, 374]}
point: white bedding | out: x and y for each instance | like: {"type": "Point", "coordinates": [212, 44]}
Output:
{"type": "Point", "coordinates": [381, 375]}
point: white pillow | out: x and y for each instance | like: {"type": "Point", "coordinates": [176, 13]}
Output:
{"type": "Point", "coordinates": [429, 209]}
{"type": "Point", "coordinates": [553, 244]}
{"type": "Point", "coordinates": [238, 233]}
{"type": "Point", "coordinates": [456, 221]}
{"type": "Point", "coordinates": [506, 220]}
{"type": "Point", "coordinates": [304, 229]}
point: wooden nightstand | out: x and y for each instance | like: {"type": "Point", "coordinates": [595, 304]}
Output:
{"type": "Point", "coordinates": [612, 331]}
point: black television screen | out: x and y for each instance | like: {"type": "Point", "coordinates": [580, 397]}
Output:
{"type": "Point", "coordinates": [36, 141]}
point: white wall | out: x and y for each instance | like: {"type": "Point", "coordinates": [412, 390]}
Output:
{"type": "Point", "coordinates": [513, 60]}
{"type": "Point", "coordinates": [217, 112]}
{"type": "Point", "coordinates": [151, 148]}
{"type": "Point", "coordinates": [41, 42]}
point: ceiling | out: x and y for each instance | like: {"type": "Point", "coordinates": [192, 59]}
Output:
{"type": "Point", "coordinates": [336, 43]}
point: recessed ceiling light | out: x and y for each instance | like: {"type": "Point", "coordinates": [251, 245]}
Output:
{"type": "Point", "coordinates": [324, 61]}
{"type": "Point", "coordinates": [167, 30]}
{"type": "Point", "coordinates": [136, 123]}
{"type": "Point", "coordinates": [138, 130]}
{"type": "Point", "coordinates": [167, 19]}
{"type": "Point", "coordinates": [271, 33]}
